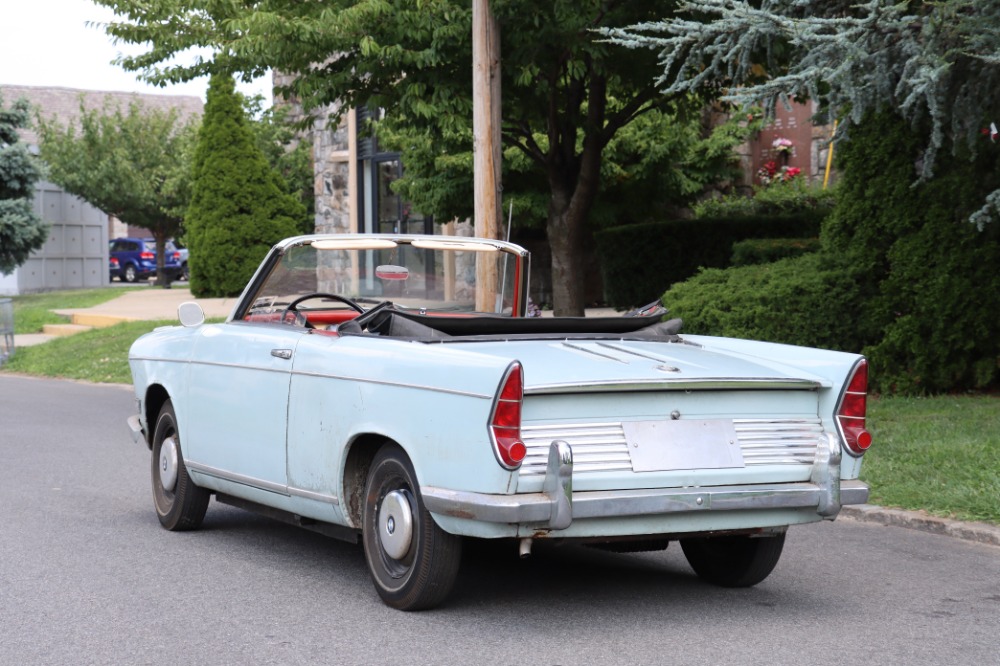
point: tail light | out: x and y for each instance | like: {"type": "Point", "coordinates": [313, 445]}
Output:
{"type": "Point", "coordinates": [148, 256]}
{"type": "Point", "coordinates": [505, 421]}
{"type": "Point", "coordinates": [852, 410]}
{"type": "Point", "coordinates": [177, 256]}
{"type": "Point", "coordinates": [114, 262]}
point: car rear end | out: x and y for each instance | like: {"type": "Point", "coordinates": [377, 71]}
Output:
{"type": "Point", "coordinates": [613, 439]}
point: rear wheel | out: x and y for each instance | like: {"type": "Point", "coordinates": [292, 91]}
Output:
{"type": "Point", "coordinates": [412, 561]}
{"type": "Point", "coordinates": [180, 505]}
{"type": "Point", "coordinates": [129, 274]}
{"type": "Point", "coordinates": [733, 561]}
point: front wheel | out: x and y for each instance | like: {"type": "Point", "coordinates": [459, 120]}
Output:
{"type": "Point", "coordinates": [412, 561]}
{"type": "Point", "coordinates": [180, 505]}
{"type": "Point", "coordinates": [733, 561]}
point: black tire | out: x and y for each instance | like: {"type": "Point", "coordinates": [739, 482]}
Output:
{"type": "Point", "coordinates": [733, 561]}
{"type": "Point", "coordinates": [180, 504]}
{"type": "Point", "coordinates": [413, 564]}
{"type": "Point", "coordinates": [129, 274]}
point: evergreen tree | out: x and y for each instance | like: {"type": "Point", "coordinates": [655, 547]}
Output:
{"type": "Point", "coordinates": [239, 205]}
{"type": "Point", "coordinates": [21, 230]}
{"type": "Point", "coordinates": [915, 87]}
{"type": "Point", "coordinates": [935, 64]}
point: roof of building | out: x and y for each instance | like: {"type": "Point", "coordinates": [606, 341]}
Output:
{"type": "Point", "coordinates": [64, 103]}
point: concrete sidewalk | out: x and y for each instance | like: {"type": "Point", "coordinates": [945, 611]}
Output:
{"type": "Point", "coordinates": [149, 304]}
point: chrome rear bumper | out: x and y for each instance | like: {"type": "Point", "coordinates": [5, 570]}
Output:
{"type": "Point", "coordinates": [557, 505]}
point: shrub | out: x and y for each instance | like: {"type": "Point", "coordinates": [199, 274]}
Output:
{"type": "Point", "coordinates": [639, 261]}
{"type": "Point", "coordinates": [239, 205]}
{"type": "Point", "coordinates": [903, 276]}
{"type": "Point", "coordinates": [765, 250]}
{"type": "Point", "coordinates": [810, 300]}
{"type": "Point", "coordinates": [792, 198]}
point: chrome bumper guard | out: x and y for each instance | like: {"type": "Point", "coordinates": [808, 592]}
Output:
{"type": "Point", "coordinates": [557, 506]}
{"type": "Point", "coordinates": [135, 427]}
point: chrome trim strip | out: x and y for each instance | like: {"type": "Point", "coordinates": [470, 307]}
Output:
{"type": "Point", "coordinates": [381, 382]}
{"type": "Point", "coordinates": [260, 484]}
{"type": "Point", "coordinates": [677, 384]}
{"type": "Point", "coordinates": [303, 373]}
{"type": "Point", "coordinates": [583, 349]}
{"type": "Point", "coordinates": [626, 350]}
{"type": "Point", "coordinates": [537, 507]}
{"type": "Point", "coordinates": [310, 494]}
{"type": "Point", "coordinates": [216, 364]}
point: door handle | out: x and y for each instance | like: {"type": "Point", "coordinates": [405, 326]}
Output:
{"type": "Point", "coordinates": [282, 353]}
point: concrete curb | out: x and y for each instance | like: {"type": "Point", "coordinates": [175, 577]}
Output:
{"type": "Point", "coordinates": [919, 520]}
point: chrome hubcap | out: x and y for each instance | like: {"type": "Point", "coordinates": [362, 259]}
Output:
{"type": "Point", "coordinates": [395, 524]}
{"type": "Point", "coordinates": [168, 463]}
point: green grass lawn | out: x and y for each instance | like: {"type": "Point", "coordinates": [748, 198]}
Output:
{"type": "Point", "coordinates": [32, 311]}
{"type": "Point", "coordinates": [98, 355]}
{"type": "Point", "coordinates": [941, 454]}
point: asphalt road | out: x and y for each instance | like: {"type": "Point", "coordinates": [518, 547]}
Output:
{"type": "Point", "coordinates": [87, 576]}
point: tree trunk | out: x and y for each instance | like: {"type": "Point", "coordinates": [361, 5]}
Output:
{"type": "Point", "coordinates": [161, 259]}
{"type": "Point", "coordinates": [565, 230]}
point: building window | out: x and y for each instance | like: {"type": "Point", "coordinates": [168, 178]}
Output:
{"type": "Point", "coordinates": [382, 210]}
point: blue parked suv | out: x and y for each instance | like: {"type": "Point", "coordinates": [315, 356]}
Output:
{"type": "Point", "coordinates": [134, 259]}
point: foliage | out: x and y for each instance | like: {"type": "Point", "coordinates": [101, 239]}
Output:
{"type": "Point", "coordinates": [287, 154]}
{"type": "Point", "coordinates": [639, 261]}
{"type": "Point", "coordinates": [652, 167]}
{"type": "Point", "coordinates": [22, 231]}
{"type": "Point", "coordinates": [239, 206]}
{"type": "Point", "coordinates": [413, 57]}
{"type": "Point", "coordinates": [794, 198]}
{"type": "Point", "coordinates": [128, 163]}
{"type": "Point", "coordinates": [935, 275]}
{"type": "Point", "coordinates": [803, 301]}
{"type": "Point", "coordinates": [902, 277]}
{"type": "Point", "coordinates": [936, 454]}
{"type": "Point", "coordinates": [766, 250]}
{"type": "Point", "coordinates": [937, 64]}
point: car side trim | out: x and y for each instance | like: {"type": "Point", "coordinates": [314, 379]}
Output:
{"type": "Point", "coordinates": [366, 380]}
{"type": "Point", "coordinates": [261, 484]}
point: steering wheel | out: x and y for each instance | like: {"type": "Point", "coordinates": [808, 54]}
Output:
{"type": "Point", "coordinates": [291, 307]}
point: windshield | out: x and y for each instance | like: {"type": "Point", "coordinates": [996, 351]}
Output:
{"type": "Point", "coordinates": [423, 273]}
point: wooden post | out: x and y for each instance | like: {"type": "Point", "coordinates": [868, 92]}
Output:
{"type": "Point", "coordinates": [486, 145]}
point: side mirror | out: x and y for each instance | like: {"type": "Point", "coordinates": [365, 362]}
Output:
{"type": "Point", "coordinates": [190, 314]}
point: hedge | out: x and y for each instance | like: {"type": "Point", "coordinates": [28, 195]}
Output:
{"type": "Point", "coordinates": [640, 261]}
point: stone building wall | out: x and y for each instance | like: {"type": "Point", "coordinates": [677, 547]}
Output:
{"type": "Point", "coordinates": [332, 157]}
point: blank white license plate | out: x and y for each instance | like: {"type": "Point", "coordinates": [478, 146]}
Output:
{"type": "Point", "coordinates": [682, 444]}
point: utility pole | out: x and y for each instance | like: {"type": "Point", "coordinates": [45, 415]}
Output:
{"type": "Point", "coordinates": [486, 144]}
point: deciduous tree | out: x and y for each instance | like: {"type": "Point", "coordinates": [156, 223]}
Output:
{"type": "Point", "coordinates": [414, 59]}
{"type": "Point", "coordinates": [130, 163]}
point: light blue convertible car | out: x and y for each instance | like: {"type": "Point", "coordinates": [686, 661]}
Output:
{"type": "Point", "coordinates": [389, 389]}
